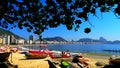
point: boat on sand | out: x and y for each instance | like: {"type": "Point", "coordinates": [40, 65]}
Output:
{"type": "Point", "coordinates": [55, 55]}
{"type": "Point", "coordinates": [36, 54]}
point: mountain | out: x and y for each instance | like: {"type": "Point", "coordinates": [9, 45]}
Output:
{"type": "Point", "coordinates": [55, 39]}
{"type": "Point", "coordinates": [6, 32]}
{"type": "Point", "coordinates": [88, 40]}
{"type": "Point", "coordinates": [116, 42]}
{"type": "Point", "coordinates": [102, 39]}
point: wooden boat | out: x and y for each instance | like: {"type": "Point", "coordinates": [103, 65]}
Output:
{"type": "Point", "coordinates": [58, 55]}
{"type": "Point", "coordinates": [4, 56]}
{"type": "Point", "coordinates": [115, 61]}
{"type": "Point", "coordinates": [36, 54]}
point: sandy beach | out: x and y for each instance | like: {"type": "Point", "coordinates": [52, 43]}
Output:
{"type": "Point", "coordinates": [22, 62]}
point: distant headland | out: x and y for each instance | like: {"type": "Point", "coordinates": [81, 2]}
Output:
{"type": "Point", "coordinates": [8, 37]}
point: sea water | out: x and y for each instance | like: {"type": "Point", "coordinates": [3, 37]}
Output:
{"type": "Point", "coordinates": [84, 48]}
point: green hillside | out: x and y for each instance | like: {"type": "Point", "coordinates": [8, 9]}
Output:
{"type": "Point", "coordinates": [3, 32]}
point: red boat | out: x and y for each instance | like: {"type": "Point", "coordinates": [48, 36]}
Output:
{"type": "Point", "coordinates": [36, 54]}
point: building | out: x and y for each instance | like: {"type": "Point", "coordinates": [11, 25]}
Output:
{"type": "Point", "coordinates": [31, 37]}
{"type": "Point", "coordinates": [21, 41]}
{"type": "Point", "coordinates": [12, 39]}
{"type": "Point", "coordinates": [29, 41]}
{"type": "Point", "coordinates": [1, 40]}
{"type": "Point", "coordinates": [6, 39]}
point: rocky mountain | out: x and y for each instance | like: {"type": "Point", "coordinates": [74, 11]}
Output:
{"type": "Point", "coordinates": [102, 39]}
{"type": "Point", "coordinates": [115, 42]}
{"type": "Point", "coordinates": [88, 40]}
{"type": "Point", "coordinates": [6, 32]}
{"type": "Point", "coordinates": [55, 39]}
{"type": "Point", "coordinates": [85, 40]}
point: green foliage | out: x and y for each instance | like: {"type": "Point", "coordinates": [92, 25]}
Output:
{"type": "Point", "coordinates": [37, 16]}
{"type": "Point", "coordinates": [87, 30]}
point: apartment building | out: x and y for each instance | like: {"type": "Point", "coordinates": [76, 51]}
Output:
{"type": "Point", "coordinates": [1, 40]}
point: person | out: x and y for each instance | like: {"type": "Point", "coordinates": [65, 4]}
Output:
{"type": "Point", "coordinates": [81, 62]}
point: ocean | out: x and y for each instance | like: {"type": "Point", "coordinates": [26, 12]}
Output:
{"type": "Point", "coordinates": [84, 48]}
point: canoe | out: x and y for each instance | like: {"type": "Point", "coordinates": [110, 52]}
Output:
{"type": "Point", "coordinates": [36, 55]}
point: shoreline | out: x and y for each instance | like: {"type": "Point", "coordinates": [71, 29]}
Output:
{"type": "Point", "coordinates": [22, 62]}
{"type": "Point", "coordinates": [86, 54]}
{"type": "Point", "coordinates": [96, 51]}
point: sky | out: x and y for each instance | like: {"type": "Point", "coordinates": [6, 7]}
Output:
{"type": "Point", "coordinates": [105, 25]}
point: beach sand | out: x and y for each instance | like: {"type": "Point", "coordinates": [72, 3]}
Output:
{"type": "Point", "coordinates": [22, 62]}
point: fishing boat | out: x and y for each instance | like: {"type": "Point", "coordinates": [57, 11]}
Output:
{"type": "Point", "coordinates": [55, 55]}
{"type": "Point", "coordinates": [36, 54]}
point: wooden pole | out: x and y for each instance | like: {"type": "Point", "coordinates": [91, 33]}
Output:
{"type": "Point", "coordinates": [11, 57]}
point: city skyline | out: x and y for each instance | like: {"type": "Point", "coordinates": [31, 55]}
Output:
{"type": "Point", "coordinates": [103, 25]}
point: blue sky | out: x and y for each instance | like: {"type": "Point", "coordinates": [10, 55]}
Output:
{"type": "Point", "coordinates": [105, 25]}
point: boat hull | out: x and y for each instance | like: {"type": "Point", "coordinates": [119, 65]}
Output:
{"type": "Point", "coordinates": [53, 56]}
{"type": "Point", "coordinates": [36, 55]}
